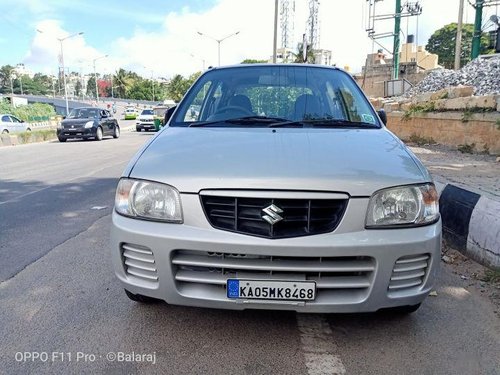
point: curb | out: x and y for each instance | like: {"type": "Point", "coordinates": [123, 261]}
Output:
{"type": "Point", "coordinates": [471, 223]}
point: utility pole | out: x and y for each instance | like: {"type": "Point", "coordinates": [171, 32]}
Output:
{"type": "Point", "coordinates": [476, 39]}
{"type": "Point", "coordinates": [397, 31]}
{"type": "Point", "coordinates": [458, 42]}
{"type": "Point", "coordinates": [275, 40]}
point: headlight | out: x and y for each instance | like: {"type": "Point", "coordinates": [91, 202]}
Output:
{"type": "Point", "coordinates": [89, 124]}
{"type": "Point", "coordinates": [403, 206]}
{"type": "Point", "coordinates": [148, 200]}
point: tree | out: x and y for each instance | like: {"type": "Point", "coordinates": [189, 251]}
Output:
{"type": "Point", "coordinates": [253, 61]}
{"type": "Point", "coordinates": [78, 88]}
{"type": "Point", "coordinates": [299, 56]}
{"type": "Point", "coordinates": [122, 81]}
{"type": "Point", "coordinates": [5, 77]}
{"type": "Point", "coordinates": [177, 88]}
{"type": "Point", "coordinates": [442, 43]}
{"type": "Point", "coordinates": [91, 86]}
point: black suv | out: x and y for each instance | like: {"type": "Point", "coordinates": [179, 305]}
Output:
{"type": "Point", "coordinates": [88, 122]}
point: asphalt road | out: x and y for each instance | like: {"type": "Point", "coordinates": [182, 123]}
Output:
{"type": "Point", "coordinates": [59, 297]}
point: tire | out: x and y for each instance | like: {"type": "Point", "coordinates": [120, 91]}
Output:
{"type": "Point", "coordinates": [138, 129]}
{"type": "Point", "coordinates": [140, 298]}
{"type": "Point", "coordinates": [5, 131]}
{"type": "Point", "coordinates": [116, 132]}
{"type": "Point", "coordinates": [28, 130]}
{"type": "Point", "coordinates": [98, 134]}
{"type": "Point", "coordinates": [61, 139]}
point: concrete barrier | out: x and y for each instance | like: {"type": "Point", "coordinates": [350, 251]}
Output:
{"type": "Point", "coordinates": [471, 223]}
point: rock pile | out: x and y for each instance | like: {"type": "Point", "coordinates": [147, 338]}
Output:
{"type": "Point", "coordinates": [481, 73]}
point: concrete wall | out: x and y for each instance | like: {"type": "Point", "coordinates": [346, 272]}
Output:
{"type": "Point", "coordinates": [450, 128]}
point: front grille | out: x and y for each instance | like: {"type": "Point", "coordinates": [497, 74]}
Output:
{"type": "Point", "coordinates": [139, 262]}
{"type": "Point", "coordinates": [344, 278]}
{"type": "Point", "coordinates": [409, 272]}
{"type": "Point", "coordinates": [301, 217]}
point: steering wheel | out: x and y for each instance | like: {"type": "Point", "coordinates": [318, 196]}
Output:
{"type": "Point", "coordinates": [234, 108]}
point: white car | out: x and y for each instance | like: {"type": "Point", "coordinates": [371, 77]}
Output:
{"type": "Point", "coordinates": [11, 124]}
{"type": "Point", "coordinates": [146, 120]}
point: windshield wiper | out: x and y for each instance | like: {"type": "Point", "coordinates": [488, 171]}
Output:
{"type": "Point", "coordinates": [325, 123]}
{"type": "Point", "coordinates": [249, 120]}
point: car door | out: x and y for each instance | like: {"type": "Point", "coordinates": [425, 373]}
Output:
{"type": "Point", "coordinates": [104, 121]}
{"type": "Point", "coordinates": [7, 125]}
{"type": "Point", "coordinates": [17, 124]}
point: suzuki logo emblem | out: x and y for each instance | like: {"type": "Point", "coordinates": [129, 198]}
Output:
{"type": "Point", "coordinates": [272, 214]}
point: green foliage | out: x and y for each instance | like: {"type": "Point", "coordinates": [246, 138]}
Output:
{"type": "Point", "coordinates": [91, 87]}
{"type": "Point", "coordinates": [420, 141]}
{"type": "Point", "coordinates": [419, 108]}
{"type": "Point", "coordinates": [253, 61]}
{"type": "Point", "coordinates": [491, 276]}
{"type": "Point", "coordinates": [36, 136]}
{"type": "Point", "coordinates": [30, 112]}
{"type": "Point", "coordinates": [466, 148]}
{"type": "Point", "coordinates": [179, 85]}
{"type": "Point", "coordinates": [299, 56]}
{"type": "Point", "coordinates": [442, 43]}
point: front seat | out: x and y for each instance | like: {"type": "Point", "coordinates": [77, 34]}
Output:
{"type": "Point", "coordinates": [307, 106]}
{"type": "Point", "coordinates": [241, 101]}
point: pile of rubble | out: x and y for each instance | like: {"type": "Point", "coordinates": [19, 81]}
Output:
{"type": "Point", "coordinates": [482, 73]}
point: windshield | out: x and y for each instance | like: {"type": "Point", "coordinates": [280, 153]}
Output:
{"type": "Point", "coordinates": [287, 94]}
{"type": "Point", "coordinates": [84, 113]}
{"type": "Point", "coordinates": [147, 112]}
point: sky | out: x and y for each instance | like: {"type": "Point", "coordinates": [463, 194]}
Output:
{"type": "Point", "coordinates": [159, 38]}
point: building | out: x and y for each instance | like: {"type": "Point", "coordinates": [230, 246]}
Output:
{"type": "Point", "coordinates": [417, 54]}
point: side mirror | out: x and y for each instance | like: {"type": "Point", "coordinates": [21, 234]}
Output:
{"type": "Point", "coordinates": [383, 116]}
{"type": "Point", "coordinates": [64, 117]}
{"type": "Point", "coordinates": [169, 113]}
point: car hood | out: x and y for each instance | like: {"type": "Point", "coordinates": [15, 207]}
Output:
{"type": "Point", "coordinates": [357, 162]}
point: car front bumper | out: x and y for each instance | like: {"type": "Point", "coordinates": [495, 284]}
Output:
{"type": "Point", "coordinates": [366, 270]}
{"type": "Point", "coordinates": [77, 133]}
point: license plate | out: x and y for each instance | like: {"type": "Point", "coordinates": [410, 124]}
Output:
{"type": "Point", "coordinates": [271, 289]}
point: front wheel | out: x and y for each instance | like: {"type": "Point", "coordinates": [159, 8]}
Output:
{"type": "Point", "coordinates": [61, 139]}
{"type": "Point", "coordinates": [116, 132]}
{"type": "Point", "coordinates": [28, 130]}
{"type": "Point", "coordinates": [98, 134]}
{"type": "Point", "coordinates": [5, 131]}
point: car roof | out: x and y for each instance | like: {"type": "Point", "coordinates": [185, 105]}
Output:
{"type": "Point", "coordinates": [295, 65]}
{"type": "Point", "coordinates": [99, 108]}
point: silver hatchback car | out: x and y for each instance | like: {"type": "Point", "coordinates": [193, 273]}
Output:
{"type": "Point", "coordinates": [284, 191]}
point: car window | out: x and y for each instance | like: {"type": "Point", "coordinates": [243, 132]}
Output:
{"type": "Point", "coordinates": [147, 112]}
{"type": "Point", "coordinates": [6, 119]}
{"type": "Point", "coordinates": [14, 119]}
{"type": "Point", "coordinates": [295, 93]}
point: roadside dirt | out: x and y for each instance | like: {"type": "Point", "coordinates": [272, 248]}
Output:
{"type": "Point", "coordinates": [478, 172]}
{"type": "Point", "coordinates": [475, 278]}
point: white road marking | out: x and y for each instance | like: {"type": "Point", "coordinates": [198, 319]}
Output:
{"type": "Point", "coordinates": [318, 346]}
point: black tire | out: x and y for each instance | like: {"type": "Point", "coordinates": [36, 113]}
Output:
{"type": "Point", "coordinates": [137, 129]}
{"type": "Point", "coordinates": [5, 131]}
{"type": "Point", "coordinates": [116, 132]}
{"type": "Point", "coordinates": [98, 134]}
{"type": "Point", "coordinates": [61, 139]}
{"type": "Point", "coordinates": [140, 298]}
{"type": "Point", "coordinates": [28, 130]}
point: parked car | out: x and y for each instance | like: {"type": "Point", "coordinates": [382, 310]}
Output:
{"type": "Point", "coordinates": [11, 124]}
{"type": "Point", "coordinates": [130, 113]}
{"type": "Point", "coordinates": [145, 121]}
{"type": "Point", "coordinates": [86, 123]}
{"type": "Point", "coordinates": [284, 191]}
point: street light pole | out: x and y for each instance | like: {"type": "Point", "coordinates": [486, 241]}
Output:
{"type": "Point", "coordinates": [95, 78]}
{"type": "Point", "coordinates": [61, 40]}
{"type": "Point", "coordinates": [219, 41]}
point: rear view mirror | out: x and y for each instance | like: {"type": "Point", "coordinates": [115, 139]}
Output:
{"type": "Point", "coordinates": [383, 116]}
{"type": "Point", "coordinates": [169, 113]}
